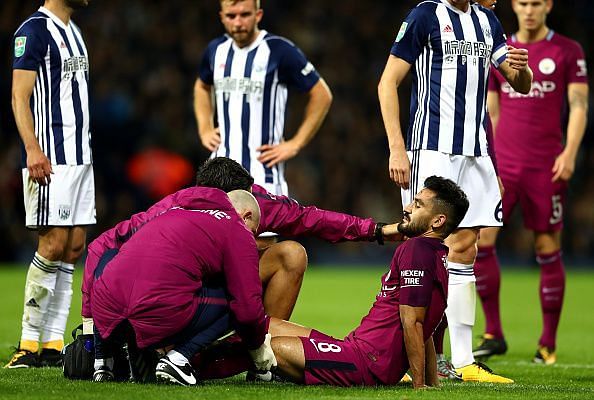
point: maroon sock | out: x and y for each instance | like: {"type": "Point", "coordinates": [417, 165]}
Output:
{"type": "Point", "coordinates": [488, 281]}
{"type": "Point", "coordinates": [438, 335]}
{"type": "Point", "coordinates": [552, 289]}
{"type": "Point", "coordinates": [222, 361]}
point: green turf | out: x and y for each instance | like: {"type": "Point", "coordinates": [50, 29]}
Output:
{"type": "Point", "coordinates": [333, 301]}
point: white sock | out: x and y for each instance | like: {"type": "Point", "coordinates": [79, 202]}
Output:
{"type": "Point", "coordinates": [59, 306]}
{"type": "Point", "coordinates": [177, 358]}
{"type": "Point", "coordinates": [100, 362]}
{"type": "Point", "coordinates": [461, 312]}
{"type": "Point", "coordinates": [39, 288]}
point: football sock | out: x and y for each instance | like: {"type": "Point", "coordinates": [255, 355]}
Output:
{"type": "Point", "coordinates": [59, 307]}
{"type": "Point", "coordinates": [552, 289]}
{"type": "Point", "coordinates": [488, 281]}
{"type": "Point", "coordinates": [104, 362]}
{"type": "Point", "coordinates": [222, 361]}
{"type": "Point", "coordinates": [39, 288]}
{"type": "Point", "coordinates": [461, 312]}
{"type": "Point", "coordinates": [177, 358]}
{"type": "Point", "coordinates": [439, 334]}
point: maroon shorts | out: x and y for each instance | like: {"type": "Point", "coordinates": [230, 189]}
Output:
{"type": "Point", "coordinates": [541, 200]}
{"type": "Point", "coordinates": [329, 361]}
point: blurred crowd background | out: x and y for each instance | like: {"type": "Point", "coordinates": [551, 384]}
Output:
{"type": "Point", "coordinates": [144, 57]}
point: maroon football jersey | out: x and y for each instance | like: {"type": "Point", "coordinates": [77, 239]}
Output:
{"type": "Point", "coordinates": [418, 278]}
{"type": "Point", "coordinates": [530, 127]}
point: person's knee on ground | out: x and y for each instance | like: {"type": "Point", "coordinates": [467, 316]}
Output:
{"type": "Point", "coordinates": [290, 357]}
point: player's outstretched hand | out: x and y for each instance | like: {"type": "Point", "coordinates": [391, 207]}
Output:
{"type": "Point", "coordinates": [399, 167]}
{"type": "Point", "coordinates": [263, 356]}
{"type": "Point", "coordinates": [390, 233]}
{"type": "Point", "coordinates": [563, 167]}
{"type": "Point", "coordinates": [271, 154]}
{"type": "Point", "coordinates": [39, 167]}
{"type": "Point", "coordinates": [517, 58]}
{"type": "Point", "coordinates": [211, 139]}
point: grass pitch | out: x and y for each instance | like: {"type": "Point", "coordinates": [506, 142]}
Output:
{"type": "Point", "coordinates": [333, 301]}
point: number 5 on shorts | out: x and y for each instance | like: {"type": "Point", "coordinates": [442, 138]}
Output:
{"type": "Point", "coordinates": [323, 347]}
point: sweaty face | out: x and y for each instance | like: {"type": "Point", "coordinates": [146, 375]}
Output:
{"type": "Point", "coordinates": [74, 4]}
{"type": "Point", "coordinates": [532, 14]}
{"type": "Point", "coordinates": [241, 21]}
{"type": "Point", "coordinates": [418, 215]}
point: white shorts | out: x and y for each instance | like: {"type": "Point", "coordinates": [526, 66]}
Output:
{"type": "Point", "coordinates": [475, 175]}
{"type": "Point", "coordinates": [69, 200]}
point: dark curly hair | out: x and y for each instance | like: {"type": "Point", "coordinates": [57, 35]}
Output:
{"type": "Point", "coordinates": [225, 174]}
{"type": "Point", "coordinates": [449, 200]}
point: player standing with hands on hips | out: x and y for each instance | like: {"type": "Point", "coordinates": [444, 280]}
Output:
{"type": "Point", "coordinates": [51, 109]}
{"type": "Point", "coordinates": [451, 44]}
{"type": "Point", "coordinates": [251, 70]}
{"type": "Point", "coordinates": [535, 166]}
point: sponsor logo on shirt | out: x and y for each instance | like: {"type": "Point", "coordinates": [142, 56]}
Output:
{"type": "Point", "coordinates": [538, 90]}
{"type": "Point", "coordinates": [402, 31]}
{"type": "Point", "coordinates": [228, 85]}
{"type": "Point", "coordinates": [411, 277]}
{"type": "Point", "coordinates": [465, 49]}
{"type": "Point", "coordinates": [74, 64]}
{"type": "Point", "coordinates": [19, 46]}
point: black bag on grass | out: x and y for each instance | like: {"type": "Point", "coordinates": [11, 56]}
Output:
{"type": "Point", "coordinates": [79, 356]}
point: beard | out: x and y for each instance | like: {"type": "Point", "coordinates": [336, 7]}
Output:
{"type": "Point", "coordinates": [412, 228]}
{"type": "Point", "coordinates": [76, 4]}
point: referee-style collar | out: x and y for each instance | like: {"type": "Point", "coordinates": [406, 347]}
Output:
{"type": "Point", "coordinates": [53, 17]}
{"type": "Point", "coordinates": [454, 9]}
{"type": "Point", "coordinates": [252, 46]}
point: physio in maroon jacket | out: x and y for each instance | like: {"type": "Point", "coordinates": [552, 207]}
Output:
{"type": "Point", "coordinates": [154, 284]}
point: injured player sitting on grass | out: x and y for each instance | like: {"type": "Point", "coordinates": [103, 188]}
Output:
{"type": "Point", "coordinates": [396, 334]}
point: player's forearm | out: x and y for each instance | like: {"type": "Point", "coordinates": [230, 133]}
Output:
{"type": "Point", "coordinates": [431, 378]}
{"type": "Point", "coordinates": [578, 119]}
{"type": "Point", "coordinates": [521, 80]}
{"type": "Point", "coordinates": [24, 122]}
{"type": "Point", "coordinates": [390, 108]}
{"type": "Point", "coordinates": [415, 351]}
{"type": "Point", "coordinates": [203, 109]}
{"type": "Point", "coordinates": [320, 99]}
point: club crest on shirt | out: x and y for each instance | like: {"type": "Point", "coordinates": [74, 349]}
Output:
{"type": "Point", "coordinates": [19, 46]}
{"type": "Point", "coordinates": [402, 31]}
{"type": "Point", "coordinates": [547, 66]}
{"type": "Point", "coordinates": [64, 211]}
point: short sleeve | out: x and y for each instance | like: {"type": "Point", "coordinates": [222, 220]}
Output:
{"type": "Point", "coordinates": [412, 36]}
{"type": "Point", "coordinates": [499, 53]}
{"type": "Point", "coordinates": [30, 46]}
{"type": "Point", "coordinates": [577, 71]}
{"type": "Point", "coordinates": [417, 274]}
{"type": "Point", "coordinates": [206, 68]}
{"type": "Point", "coordinates": [295, 70]}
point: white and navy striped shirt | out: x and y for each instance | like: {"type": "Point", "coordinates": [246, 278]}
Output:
{"type": "Point", "coordinates": [60, 102]}
{"type": "Point", "coordinates": [451, 51]}
{"type": "Point", "coordinates": [251, 87]}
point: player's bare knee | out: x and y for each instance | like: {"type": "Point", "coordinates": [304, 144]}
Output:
{"type": "Point", "coordinates": [52, 249]}
{"type": "Point", "coordinates": [547, 242]}
{"type": "Point", "coordinates": [73, 254]}
{"type": "Point", "coordinates": [294, 257]}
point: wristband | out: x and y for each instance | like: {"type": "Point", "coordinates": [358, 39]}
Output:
{"type": "Point", "coordinates": [377, 232]}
